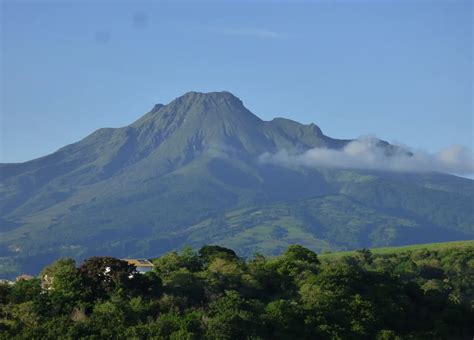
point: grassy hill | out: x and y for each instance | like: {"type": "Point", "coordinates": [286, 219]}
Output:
{"type": "Point", "coordinates": [441, 246]}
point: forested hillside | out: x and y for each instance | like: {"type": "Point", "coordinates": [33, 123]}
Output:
{"type": "Point", "coordinates": [419, 293]}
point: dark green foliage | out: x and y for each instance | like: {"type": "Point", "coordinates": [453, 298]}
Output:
{"type": "Point", "coordinates": [212, 294]}
{"type": "Point", "coordinates": [104, 275]}
{"type": "Point", "coordinates": [4, 292]}
{"type": "Point", "coordinates": [25, 291]}
{"type": "Point", "coordinates": [232, 317]}
{"type": "Point", "coordinates": [66, 285]}
{"type": "Point", "coordinates": [284, 319]}
{"type": "Point", "coordinates": [209, 253]}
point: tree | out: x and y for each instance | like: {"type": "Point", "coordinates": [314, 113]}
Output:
{"type": "Point", "coordinates": [183, 283]}
{"type": "Point", "coordinates": [216, 295]}
{"type": "Point", "coordinates": [51, 275]}
{"type": "Point", "coordinates": [26, 291]}
{"type": "Point", "coordinates": [284, 319]}
{"type": "Point", "coordinates": [4, 293]}
{"type": "Point", "coordinates": [296, 252]}
{"type": "Point", "coordinates": [148, 284]}
{"type": "Point", "coordinates": [108, 319]}
{"type": "Point", "coordinates": [365, 256]}
{"type": "Point", "coordinates": [224, 274]}
{"type": "Point", "coordinates": [103, 275]}
{"type": "Point", "coordinates": [64, 284]}
{"type": "Point", "coordinates": [209, 253]}
{"type": "Point", "coordinates": [264, 278]}
{"type": "Point", "coordinates": [175, 261]}
{"type": "Point", "coordinates": [232, 317]}
{"type": "Point", "coordinates": [295, 264]}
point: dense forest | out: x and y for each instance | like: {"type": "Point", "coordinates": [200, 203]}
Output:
{"type": "Point", "coordinates": [214, 294]}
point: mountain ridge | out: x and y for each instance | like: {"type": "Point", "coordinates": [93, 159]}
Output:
{"type": "Point", "coordinates": [139, 189]}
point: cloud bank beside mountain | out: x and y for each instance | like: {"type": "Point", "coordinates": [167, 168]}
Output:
{"type": "Point", "coordinates": [366, 153]}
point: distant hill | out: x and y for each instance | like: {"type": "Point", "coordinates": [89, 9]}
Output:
{"type": "Point", "coordinates": [191, 172]}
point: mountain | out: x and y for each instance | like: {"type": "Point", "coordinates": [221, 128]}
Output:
{"type": "Point", "coordinates": [191, 172]}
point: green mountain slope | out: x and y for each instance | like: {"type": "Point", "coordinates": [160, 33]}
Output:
{"type": "Point", "coordinates": [335, 222]}
{"type": "Point", "coordinates": [190, 173]}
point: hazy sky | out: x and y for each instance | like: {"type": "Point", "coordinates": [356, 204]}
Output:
{"type": "Point", "coordinates": [402, 70]}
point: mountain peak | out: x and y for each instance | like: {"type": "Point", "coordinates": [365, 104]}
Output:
{"type": "Point", "coordinates": [157, 107]}
{"type": "Point", "coordinates": [213, 94]}
{"type": "Point", "coordinates": [210, 98]}
{"type": "Point", "coordinates": [211, 106]}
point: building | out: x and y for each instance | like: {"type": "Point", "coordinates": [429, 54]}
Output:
{"type": "Point", "coordinates": [6, 282]}
{"type": "Point", "coordinates": [142, 265]}
{"type": "Point", "coordinates": [24, 277]}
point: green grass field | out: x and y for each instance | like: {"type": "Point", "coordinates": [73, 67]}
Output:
{"type": "Point", "coordinates": [392, 250]}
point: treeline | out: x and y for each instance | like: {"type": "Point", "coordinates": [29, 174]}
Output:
{"type": "Point", "coordinates": [214, 294]}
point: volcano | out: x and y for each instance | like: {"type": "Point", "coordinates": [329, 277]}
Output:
{"type": "Point", "coordinates": [191, 173]}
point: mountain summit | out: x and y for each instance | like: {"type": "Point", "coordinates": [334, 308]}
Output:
{"type": "Point", "coordinates": [221, 105]}
{"type": "Point", "coordinates": [190, 172]}
{"type": "Point", "coordinates": [202, 120]}
{"type": "Point", "coordinates": [220, 120]}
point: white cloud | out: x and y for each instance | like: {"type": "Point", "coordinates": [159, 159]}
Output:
{"type": "Point", "coordinates": [367, 153]}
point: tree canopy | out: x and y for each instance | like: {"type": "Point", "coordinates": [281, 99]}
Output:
{"type": "Point", "coordinates": [214, 294]}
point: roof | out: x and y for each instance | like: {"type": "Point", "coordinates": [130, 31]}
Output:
{"type": "Point", "coordinates": [139, 263]}
{"type": "Point", "coordinates": [24, 277]}
{"type": "Point", "coordinates": [5, 281]}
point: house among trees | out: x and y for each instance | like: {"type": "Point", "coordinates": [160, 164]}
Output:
{"type": "Point", "coordinates": [6, 282]}
{"type": "Point", "coordinates": [24, 277]}
{"type": "Point", "coordinates": [142, 265]}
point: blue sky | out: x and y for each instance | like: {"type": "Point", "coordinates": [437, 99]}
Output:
{"type": "Point", "coordinates": [402, 70]}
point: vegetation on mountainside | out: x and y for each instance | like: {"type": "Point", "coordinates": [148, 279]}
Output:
{"type": "Point", "coordinates": [441, 246]}
{"type": "Point", "coordinates": [191, 172]}
{"type": "Point", "coordinates": [421, 293]}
